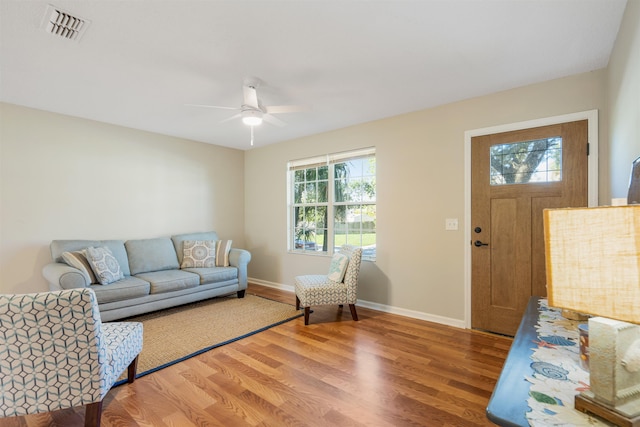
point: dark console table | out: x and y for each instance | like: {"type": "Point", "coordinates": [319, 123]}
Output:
{"type": "Point", "coordinates": [508, 404]}
{"type": "Point", "coordinates": [542, 373]}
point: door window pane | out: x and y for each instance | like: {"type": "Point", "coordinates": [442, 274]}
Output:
{"type": "Point", "coordinates": [525, 162]}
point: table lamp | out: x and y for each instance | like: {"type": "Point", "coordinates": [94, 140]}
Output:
{"type": "Point", "coordinates": [593, 267]}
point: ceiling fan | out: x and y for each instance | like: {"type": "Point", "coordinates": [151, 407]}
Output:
{"type": "Point", "coordinates": [252, 112]}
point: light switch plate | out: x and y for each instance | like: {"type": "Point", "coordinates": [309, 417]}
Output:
{"type": "Point", "coordinates": [451, 224]}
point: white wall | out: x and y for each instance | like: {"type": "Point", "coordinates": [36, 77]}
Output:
{"type": "Point", "coordinates": [623, 86]}
{"type": "Point", "coordinates": [69, 178]}
{"type": "Point", "coordinates": [420, 183]}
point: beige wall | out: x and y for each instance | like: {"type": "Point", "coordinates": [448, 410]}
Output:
{"type": "Point", "coordinates": [623, 87]}
{"type": "Point", "coordinates": [68, 178]}
{"type": "Point", "coordinates": [420, 183]}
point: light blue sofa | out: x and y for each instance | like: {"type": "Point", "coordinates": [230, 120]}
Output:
{"type": "Point", "coordinates": [153, 279]}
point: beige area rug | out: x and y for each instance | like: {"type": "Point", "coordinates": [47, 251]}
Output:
{"type": "Point", "coordinates": [179, 333]}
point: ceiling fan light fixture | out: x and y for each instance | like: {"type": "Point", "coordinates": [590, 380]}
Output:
{"type": "Point", "coordinates": [251, 117]}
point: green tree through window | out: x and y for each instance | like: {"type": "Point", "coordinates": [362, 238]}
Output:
{"type": "Point", "coordinates": [529, 161]}
{"type": "Point", "coordinates": [333, 202]}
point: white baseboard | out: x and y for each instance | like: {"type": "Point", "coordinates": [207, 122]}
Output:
{"type": "Point", "coordinates": [457, 323]}
{"type": "Point", "coordinates": [288, 288]}
{"type": "Point", "coordinates": [413, 314]}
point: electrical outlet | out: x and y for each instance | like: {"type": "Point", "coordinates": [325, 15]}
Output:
{"type": "Point", "coordinates": [451, 224]}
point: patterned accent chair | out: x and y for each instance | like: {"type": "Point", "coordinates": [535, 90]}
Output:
{"type": "Point", "coordinates": [317, 289]}
{"type": "Point", "coordinates": [55, 353]}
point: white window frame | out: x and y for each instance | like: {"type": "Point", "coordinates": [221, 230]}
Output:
{"type": "Point", "coordinates": [324, 160]}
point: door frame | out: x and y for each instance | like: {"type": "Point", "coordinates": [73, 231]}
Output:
{"type": "Point", "coordinates": [592, 118]}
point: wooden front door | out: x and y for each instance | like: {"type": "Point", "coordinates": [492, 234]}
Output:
{"type": "Point", "coordinates": [514, 176]}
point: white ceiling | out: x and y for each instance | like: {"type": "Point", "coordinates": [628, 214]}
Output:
{"type": "Point", "coordinates": [350, 62]}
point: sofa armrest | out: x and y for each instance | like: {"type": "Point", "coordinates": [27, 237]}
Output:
{"type": "Point", "coordinates": [62, 276]}
{"type": "Point", "coordinates": [240, 258]}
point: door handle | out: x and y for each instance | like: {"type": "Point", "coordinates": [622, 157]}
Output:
{"type": "Point", "coordinates": [478, 243]}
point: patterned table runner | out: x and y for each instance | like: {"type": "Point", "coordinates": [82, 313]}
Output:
{"type": "Point", "coordinates": [556, 373]}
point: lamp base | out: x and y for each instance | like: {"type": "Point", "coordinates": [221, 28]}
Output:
{"type": "Point", "coordinates": [587, 405]}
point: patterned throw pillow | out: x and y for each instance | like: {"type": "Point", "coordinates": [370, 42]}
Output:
{"type": "Point", "coordinates": [104, 265]}
{"type": "Point", "coordinates": [198, 254]}
{"type": "Point", "coordinates": [338, 267]}
{"type": "Point", "coordinates": [223, 247]}
{"type": "Point", "coordinates": [78, 259]}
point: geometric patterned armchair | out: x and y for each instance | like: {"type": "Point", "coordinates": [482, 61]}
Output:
{"type": "Point", "coordinates": [316, 289]}
{"type": "Point", "coordinates": [55, 353]}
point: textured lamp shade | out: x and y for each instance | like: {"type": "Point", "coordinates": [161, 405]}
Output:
{"type": "Point", "coordinates": [593, 260]}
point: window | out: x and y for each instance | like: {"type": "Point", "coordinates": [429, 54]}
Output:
{"type": "Point", "coordinates": [332, 202]}
{"type": "Point", "coordinates": [539, 160]}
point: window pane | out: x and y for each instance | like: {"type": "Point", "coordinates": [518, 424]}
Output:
{"type": "Point", "coordinates": [298, 176]}
{"type": "Point", "coordinates": [310, 215]}
{"type": "Point", "coordinates": [370, 169]}
{"type": "Point", "coordinates": [305, 229]}
{"type": "Point", "coordinates": [340, 170]}
{"type": "Point", "coordinates": [322, 191]}
{"type": "Point", "coordinates": [298, 191]}
{"type": "Point", "coordinates": [311, 174]}
{"type": "Point", "coordinates": [341, 189]}
{"type": "Point", "coordinates": [538, 160]}
{"type": "Point", "coordinates": [323, 172]}
{"type": "Point", "coordinates": [310, 193]}
{"type": "Point", "coordinates": [369, 189]}
{"type": "Point", "coordinates": [321, 217]}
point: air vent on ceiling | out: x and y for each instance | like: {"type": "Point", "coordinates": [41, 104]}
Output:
{"type": "Point", "coordinates": [63, 24]}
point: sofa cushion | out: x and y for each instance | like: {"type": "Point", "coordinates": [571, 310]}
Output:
{"type": "Point", "coordinates": [216, 274]}
{"type": "Point", "coordinates": [124, 289]}
{"type": "Point", "coordinates": [151, 255]}
{"type": "Point", "coordinates": [223, 247]}
{"type": "Point", "coordinates": [198, 254]}
{"type": "Point", "coordinates": [57, 247]}
{"type": "Point", "coordinates": [104, 265]}
{"type": "Point", "coordinates": [170, 280]}
{"type": "Point", "coordinates": [178, 240]}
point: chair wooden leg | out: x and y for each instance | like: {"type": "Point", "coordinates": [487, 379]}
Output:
{"type": "Point", "coordinates": [92, 415]}
{"type": "Point", "coordinates": [131, 370]}
{"type": "Point", "coordinates": [297, 303]}
{"type": "Point", "coordinates": [241, 293]}
{"type": "Point", "coordinates": [307, 310]}
{"type": "Point", "coordinates": [352, 307]}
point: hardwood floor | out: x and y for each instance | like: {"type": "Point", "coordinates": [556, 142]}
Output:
{"type": "Point", "coordinates": [384, 370]}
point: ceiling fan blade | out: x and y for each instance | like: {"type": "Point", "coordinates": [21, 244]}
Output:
{"type": "Point", "coordinates": [279, 109]}
{"type": "Point", "coordinates": [235, 116]}
{"type": "Point", "coordinates": [212, 106]}
{"type": "Point", "coordinates": [250, 96]}
{"type": "Point", "coordinates": [272, 120]}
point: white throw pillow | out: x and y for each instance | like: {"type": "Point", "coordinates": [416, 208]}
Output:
{"type": "Point", "coordinates": [338, 267]}
{"type": "Point", "coordinates": [198, 254]}
{"type": "Point", "coordinates": [104, 265]}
